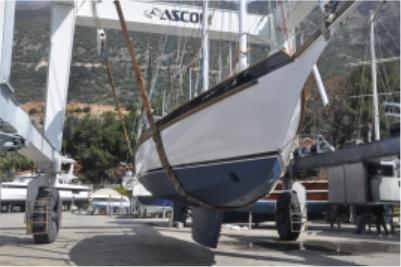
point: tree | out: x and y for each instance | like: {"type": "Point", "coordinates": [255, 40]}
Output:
{"type": "Point", "coordinates": [350, 110]}
{"type": "Point", "coordinates": [12, 162]}
{"type": "Point", "coordinates": [98, 144]}
{"type": "Point", "coordinates": [86, 109]}
{"type": "Point", "coordinates": [33, 111]}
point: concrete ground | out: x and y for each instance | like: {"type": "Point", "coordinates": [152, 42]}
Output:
{"type": "Point", "coordinates": [102, 240]}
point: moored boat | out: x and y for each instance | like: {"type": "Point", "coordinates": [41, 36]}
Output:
{"type": "Point", "coordinates": [109, 199]}
{"type": "Point", "coordinates": [14, 193]}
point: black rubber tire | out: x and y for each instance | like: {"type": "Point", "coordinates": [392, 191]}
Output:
{"type": "Point", "coordinates": [51, 196]}
{"type": "Point", "coordinates": [287, 201]}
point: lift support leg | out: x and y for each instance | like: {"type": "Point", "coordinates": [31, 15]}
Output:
{"type": "Point", "coordinates": [17, 132]}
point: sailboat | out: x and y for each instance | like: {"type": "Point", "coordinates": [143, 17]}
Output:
{"type": "Point", "coordinates": [230, 145]}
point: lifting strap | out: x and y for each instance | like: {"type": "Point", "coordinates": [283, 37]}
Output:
{"type": "Point", "coordinates": [102, 52]}
{"type": "Point", "coordinates": [117, 104]}
{"type": "Point", "coordinates": [156, 136]}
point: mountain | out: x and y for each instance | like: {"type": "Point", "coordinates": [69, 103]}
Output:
{"type": "Point", "coordinates": [88, 81]}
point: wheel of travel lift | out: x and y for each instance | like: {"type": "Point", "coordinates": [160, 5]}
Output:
{"type": "Point", "coordinates": [288, 216]}
{"type": "Point", "coordinates": [46, 216]}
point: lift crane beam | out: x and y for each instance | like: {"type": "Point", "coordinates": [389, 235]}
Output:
{"type": "Point", "coordinates": [183, 20]}
{"type": "Point", "coordinates": [348, 155]}
{"type": "Point", "coordinates": [15, 123]}
{"type": "Point", "coordinates": [7, 12]}
{"type": "Point", "coordinates": [61, 42]}
{"type": "Point", "coordinates": [186, 20]}
{"type": "Point", "coordinates": [35, 146]}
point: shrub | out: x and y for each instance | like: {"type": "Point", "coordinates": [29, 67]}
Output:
{"type": "Point", "coordinates": [87, 109]}
{"type": "Point", "coordinates": [33, 111]}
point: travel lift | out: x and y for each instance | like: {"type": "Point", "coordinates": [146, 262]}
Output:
{"type": "Point", "coordinates": [18, 132]}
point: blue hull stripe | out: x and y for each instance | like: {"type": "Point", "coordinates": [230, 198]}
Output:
{"type": "Point", "coordinates": [225, 184]}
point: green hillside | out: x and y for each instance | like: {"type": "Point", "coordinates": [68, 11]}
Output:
{"type": "Point", "coordinates": [89, 84]}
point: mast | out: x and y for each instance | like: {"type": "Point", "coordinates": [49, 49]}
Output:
{"type": "Point", "coordinates": [205, 47]}
{"type": "Point", "coordinates": [220, 65]}
{"type": "Point", "coordinates": [164, 113]}
{"type": "Point", "coordinates": [149, 81]}
{"type": "Point", "coordinates": [230, 59]}
{"type": "Point", "coordinates": [376, 117]}
{"type": "Point", "coordinates": [190, 83]}
{"type": "Point", "coordinates": [243, 46]}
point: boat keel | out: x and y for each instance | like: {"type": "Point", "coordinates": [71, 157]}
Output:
{"type": "Point", "coordinates": [206, 226]}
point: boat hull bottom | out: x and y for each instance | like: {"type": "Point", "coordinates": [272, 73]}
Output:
{"type": "Point", "coordinates": [227, 184]}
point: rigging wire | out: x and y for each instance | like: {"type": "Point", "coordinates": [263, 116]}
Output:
{"type": "Point", "coordinates": [382, 72]}
{"type": "Point", "coordinates": [197, 54]}
{"type": "Point", "coordinates": [383, 78]}
{"type": "Point", "coordinates": [158, 64]}
{"type": "Point", "coordinates": [386, 47]}
{"type": "Point", "coordinates": [180, 61]}
{"type": "Point", "coordinates": [389, 34]}
{"type": "Point", "coordinates": [379, 6]}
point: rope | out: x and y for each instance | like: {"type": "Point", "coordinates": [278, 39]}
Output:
{"type": "Point", "coordinates": [103, 53]}
{"type": "Point", "coordinates": [117, 103]}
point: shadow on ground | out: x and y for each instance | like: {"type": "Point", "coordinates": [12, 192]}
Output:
{"type": "Point", "coordinates": [145, 244]}
{"type": "Point", "coordinates": [139, 250]}
{"type": "Point", "coordinates": [14, 240]}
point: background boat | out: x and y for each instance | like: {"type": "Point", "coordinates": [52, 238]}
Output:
{"type": "Point", "coordinates": [14, 193]}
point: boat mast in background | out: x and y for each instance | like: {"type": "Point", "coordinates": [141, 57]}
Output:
{"type": "Point", "coordinates": [376, 117]}
{"type": "Point", "coordinates": [205, 47]}
{"type": "Point", "coordinates": [243, 44]}
{"type": "Point", "coordinates": [373, 62]}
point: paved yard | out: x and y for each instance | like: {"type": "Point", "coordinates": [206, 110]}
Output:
{"type": "Point", "coordinates": [102, 240]}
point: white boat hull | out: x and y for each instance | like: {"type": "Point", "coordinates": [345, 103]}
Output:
{"type": "Point", "coordinates": [16, 194]}
{"type": "Point", "coordinates": [256, 120]}
{"type": "Point", "coordinates": [261, 119]}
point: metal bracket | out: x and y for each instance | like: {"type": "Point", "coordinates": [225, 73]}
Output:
{"type": "Point", "coordinates": [30, 212]}
{"type": "Point", "coordinates": [11, 142]}
{"type": "Point", "coordinates": [101, 43]}
{"type": "Point", "coordinates": [288, 179]}
{"type": "Point", "coordinates": [296, 221]}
